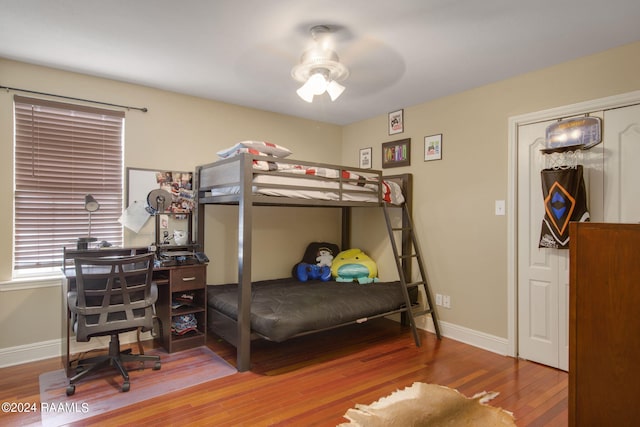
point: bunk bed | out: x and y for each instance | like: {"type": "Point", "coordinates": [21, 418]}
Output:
{"type": "Point", "coordinates": [284, 308]}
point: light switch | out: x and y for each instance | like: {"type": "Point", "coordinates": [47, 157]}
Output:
{"type": "Point", "coordinates": [500, 207]}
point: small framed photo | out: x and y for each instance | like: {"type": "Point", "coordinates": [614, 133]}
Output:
{"type": "Point", "coordinates": [396, 122]}
{"type": "Point", "coordinates": [365, 158]}
{"type": "Point", "coordinates": [396, 153]}
{"type": "Point", "coordinates": [433, 147]}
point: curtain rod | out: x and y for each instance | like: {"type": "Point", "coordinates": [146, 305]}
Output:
{"type": "Point", "coordinates": [143, 109]}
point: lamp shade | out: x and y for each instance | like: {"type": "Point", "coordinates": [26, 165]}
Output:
{"type": "Point", "coordinates": [91, 204]}
{"type": "Point", "coordinates": [334, 89]}
{"type": "Point", "coordinates": [305, 92]}
{"type": "Point", "coordinates": [317, 84]}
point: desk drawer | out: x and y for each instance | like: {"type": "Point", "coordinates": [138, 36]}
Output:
{"type": "Point", "coordinates": [186, 278]}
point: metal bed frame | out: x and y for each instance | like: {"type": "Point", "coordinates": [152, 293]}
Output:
{"type": "Point", "coordinates": [239, 171]}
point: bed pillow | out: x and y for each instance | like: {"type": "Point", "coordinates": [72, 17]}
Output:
{"type": "Point", "coordinates": [260, 146]}
{"type": "Point", "coordinates": [240, 150]}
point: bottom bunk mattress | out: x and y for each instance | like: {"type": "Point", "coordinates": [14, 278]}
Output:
{"type": "Point", "coordinates": [284, 308]}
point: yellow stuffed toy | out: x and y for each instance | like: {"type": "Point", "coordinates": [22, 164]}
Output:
{"type": "Point", "coordinates": [353, 265]}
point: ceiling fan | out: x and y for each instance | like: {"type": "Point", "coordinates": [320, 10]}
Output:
{"type": "Point", "coordinates": [320, 68]}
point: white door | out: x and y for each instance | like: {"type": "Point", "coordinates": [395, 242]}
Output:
{"type": "Point", "coordinates": [612, 174]}
{"type": "Point", "coordinates": [622, 155]}
{"type": "Point", "coordinates": [542, 273]}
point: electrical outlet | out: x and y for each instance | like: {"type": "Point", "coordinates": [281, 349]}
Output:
{"type": "Point", "coordinates": [446, 301]}
{"type": "Point", "coordinates": [438, 299]}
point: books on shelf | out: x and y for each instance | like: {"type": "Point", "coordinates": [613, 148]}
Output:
{"type": "Point", "coordinates": [182, 300]}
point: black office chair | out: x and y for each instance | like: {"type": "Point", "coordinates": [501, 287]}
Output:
{"type": "Point", "coordinates": [113, 295]}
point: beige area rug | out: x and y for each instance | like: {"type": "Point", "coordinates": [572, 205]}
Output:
{"type": "Point", "coordinates": [101, 392]}
{"type": "Point", "coordinates": [429, 405]}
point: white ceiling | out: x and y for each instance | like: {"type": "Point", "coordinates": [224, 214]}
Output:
{"type": "Point", "coordinates": [400, 52]}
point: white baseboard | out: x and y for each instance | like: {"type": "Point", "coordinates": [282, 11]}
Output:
{"type": "Point", "coordinates": [472, 337]}
{"type": "Point", "coordinates": [29, 353]}
{"type": "Point", "coordinates": [53, 348]}
{"type": "Point", "coordinates": [47, 349]}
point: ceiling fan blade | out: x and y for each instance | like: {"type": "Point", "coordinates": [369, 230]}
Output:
{"type": "Point", "coordinates": [373, 65]}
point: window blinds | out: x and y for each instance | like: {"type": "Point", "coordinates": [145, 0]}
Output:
{"type": "Point", "coordinates": [62, 153]}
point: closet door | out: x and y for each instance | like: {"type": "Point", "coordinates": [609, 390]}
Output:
{"type": "Point", "coordinates": [612, 177]}
{"type": "Point", "coordinates": [542, 273]}
{"type": "Point", "coordinates": [622, 177]}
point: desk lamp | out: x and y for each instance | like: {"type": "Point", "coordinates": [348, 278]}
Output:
{"type": "Point", "coordinates": [90, 205]}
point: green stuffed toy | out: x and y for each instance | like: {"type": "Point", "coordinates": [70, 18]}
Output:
{"type": "Point", "coordinates": [353, 265]}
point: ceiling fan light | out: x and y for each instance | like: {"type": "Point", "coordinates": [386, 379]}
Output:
{"type": "Point", "coordinates": [305, 93]}
{"type": "Point", "coordinates": [334, 89]}
{"type": "Point", "coordinates": [317, 83]}
{"type": "Point", "coordinates": [320, 69]}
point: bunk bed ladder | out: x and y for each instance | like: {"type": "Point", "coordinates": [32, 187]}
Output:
{"type": "Point", "coordinates": [411, 250]}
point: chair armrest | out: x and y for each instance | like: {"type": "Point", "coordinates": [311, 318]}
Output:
{"type": "Point", "coordinates": [72, 301]}
{"type": "Point", "coordinates": [153, 295]}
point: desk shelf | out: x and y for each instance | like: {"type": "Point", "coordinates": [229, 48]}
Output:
{"type": "Point", "coordinates": [184, 342]}
{"type": "Point", "coordinates": [185, 310]}
{"type": "Point", "coordinates": [173, 282]}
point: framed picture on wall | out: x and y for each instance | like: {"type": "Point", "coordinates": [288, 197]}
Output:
{"type": "Point", "coordinates": [396, 153]}
{"type": "Point", "coordinates": [396, 122]}
{"type": "Point", "coordinates": [433, 147]}
{"type": "Point", "coordinates": [365, 158]}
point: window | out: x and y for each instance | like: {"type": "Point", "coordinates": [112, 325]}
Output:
{"type": "Point", "coordinates": [62, 153]}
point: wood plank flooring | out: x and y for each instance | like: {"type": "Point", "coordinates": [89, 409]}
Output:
{"type": "Point", "coordinates": [313, 380]}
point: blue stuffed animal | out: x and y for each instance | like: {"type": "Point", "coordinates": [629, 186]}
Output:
{"type": "Point", "coordinates": [316, 262]}
{"type": "Point", "coordinates": [306, 272]}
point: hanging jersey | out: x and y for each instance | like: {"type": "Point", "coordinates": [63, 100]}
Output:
{"type": "Point", "coordinates": [565, 200]}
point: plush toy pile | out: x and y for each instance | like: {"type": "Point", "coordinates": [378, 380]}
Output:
{"type": "Point", "coordinates": [323, 261]}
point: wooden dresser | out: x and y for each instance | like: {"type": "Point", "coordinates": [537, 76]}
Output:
{"type": "Point", "coordinates": [604, 324]}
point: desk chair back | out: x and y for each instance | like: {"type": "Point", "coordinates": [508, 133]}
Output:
{"type": "Point", "coordinates": [114, 294]}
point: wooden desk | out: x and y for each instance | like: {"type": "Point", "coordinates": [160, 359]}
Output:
{"type": "Point", "coordinates": [171, 281]}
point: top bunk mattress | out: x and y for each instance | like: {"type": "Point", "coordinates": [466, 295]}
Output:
{"type": "Point", "coordinates": [284, 308]}
{"type": "Point", "coordinates": [305, 188]}
{"type": "Point", "coordinates": [286, 178]}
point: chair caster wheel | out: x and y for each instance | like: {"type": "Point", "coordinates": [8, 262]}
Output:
{"type": "Point", "coordinates": [157, 366]}
{"type": "Point", "coordinates": [71, 389]}
{"type": "Point", "coordinates": [126, 386]}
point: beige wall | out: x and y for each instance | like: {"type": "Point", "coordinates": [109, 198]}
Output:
{"type": "Point", "coordinates": [178, 133]}
{"type": "Point", "coordinates": [464, 243]}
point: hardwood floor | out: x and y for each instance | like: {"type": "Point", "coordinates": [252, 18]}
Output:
{"type": "Point", "coordinates": [313, 380]}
